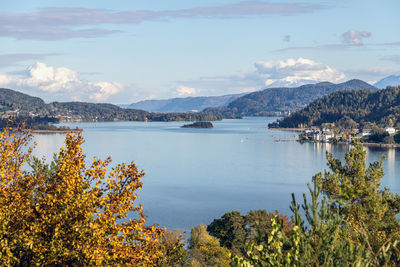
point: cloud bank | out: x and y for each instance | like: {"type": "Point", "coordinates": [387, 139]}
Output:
{"type": "Point", "coordinates": [295, 72]}
{"type": "Point", "coordinates": [183, 91]}
{"type": "Point", "coordinates": [66, 23]}
{"type": "Point", "coordinates": [62, 84]}
{"type": "Point", "coordinates": [291, 72]}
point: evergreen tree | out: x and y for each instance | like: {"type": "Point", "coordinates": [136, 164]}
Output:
{"type": "Point", "coordinates": [353, 224]}
{"type": "Point", "coordinates": [230, 230]}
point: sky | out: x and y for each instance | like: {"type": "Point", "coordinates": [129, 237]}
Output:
{"type": "Point", "coordinates": [126, 51]}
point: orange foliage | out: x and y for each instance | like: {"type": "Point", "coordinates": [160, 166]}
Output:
{"type": "Point", "coordinates": [70, 214]}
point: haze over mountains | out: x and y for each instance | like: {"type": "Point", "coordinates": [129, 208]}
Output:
{"type": "Point", "coordinates": [184, 104]}
{"type": "Point", "coordinates": [392, 80]}
{"type": "Point", "coordinates": [270, 101]}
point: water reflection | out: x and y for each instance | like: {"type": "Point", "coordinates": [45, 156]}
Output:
{"type": "Point", "coordinates": [47, 145]}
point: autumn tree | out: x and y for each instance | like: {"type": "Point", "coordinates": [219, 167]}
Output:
{"type": "Point", "coordinates": [205, 250]}
{"type": "Point", "coordinates": [68, 213]}
{"type": "Point", "coordinates": [172, 246]}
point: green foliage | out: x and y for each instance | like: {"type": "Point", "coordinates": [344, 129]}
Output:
{"type": "Point", "coordinates": [205, 250]}
{"type": "Point", "coordinates": [230, 230]}
{"type": "Point", "coordinates": [199, 124]}
{"type": "Point", "coordinates": [346, 123]}
{"type": "Point", "coordinates": [11, 100]}
{"type": "Point", "coordinates": [234, 230]}
{"type": "Point", "coordinates": [352, 224]}
{"type": "Point", "coordinates": [355, 189]}
{"type": "Point", "coordinates": [377, 135]}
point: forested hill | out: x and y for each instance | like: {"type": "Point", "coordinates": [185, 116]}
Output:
{"type": "Point", "coordinates": [347, 108]}
{"type": "Point", "coordinates": [11, 100]}
{"type": "Point", "coordinates": [278, 101]}
{"type": "Point", "coordinates": [17, 104]}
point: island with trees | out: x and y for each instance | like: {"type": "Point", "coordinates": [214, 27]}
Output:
{"type": "Point", "coordinates": [199, 124]}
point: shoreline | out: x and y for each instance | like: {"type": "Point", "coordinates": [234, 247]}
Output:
{"type": "Point", "coordinates": [54, 131]}
{"type": "Point", "coordinates": [364, 144]}
{"type": "Point", "coordinates": [338, 143]}
{"type": "Point", "coordinates": [289, 129]}
{"type": "Point", "coordinates": [381, 145]}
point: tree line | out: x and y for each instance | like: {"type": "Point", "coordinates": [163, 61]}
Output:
{"type": "Point", "coordinates": [18, 105]}
{"type": "Point", "coordinates": [361, 108]}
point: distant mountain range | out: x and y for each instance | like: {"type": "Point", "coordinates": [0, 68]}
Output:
{"type": "Point", "coordinates": [271, 101]}
{"type": "Point", "coordinates": [392, 80]}
{"type": "Point", "coordinates": [281, 101]}
{"type": "Point", "coordinates": [346, 109]}
{"type": "Point", "coordinates": [183, 104]}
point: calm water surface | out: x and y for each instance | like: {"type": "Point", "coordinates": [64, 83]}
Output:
{"type": "Point", "coordinates": [196, 175]}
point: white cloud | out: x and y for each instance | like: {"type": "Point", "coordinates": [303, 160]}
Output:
{"type": "Point", "coordinates": [274, 73]}
{"type": "Point", "coordinates": [103, 90]}
{"type": "Point", "coordinates": [64, 84]}
{"type": "Point", "coordinates": [353, 37]}
{"type": "Point", "coordinates": [295, 72]}
{"type": "Point", "coordinates": [59, 83]}
{"type": "Point", "coordinates": [185, 91]}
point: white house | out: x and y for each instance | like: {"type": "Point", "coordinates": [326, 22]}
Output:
{"type": "Point", "coordinates": [317, 136]}
{"type": "Point", "coordinates": [390, 130]}
{"type": "Point", "coordinates": [326, 137]}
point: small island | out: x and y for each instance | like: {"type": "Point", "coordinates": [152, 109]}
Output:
{"type": "Point", "coordinates": [199, 124]}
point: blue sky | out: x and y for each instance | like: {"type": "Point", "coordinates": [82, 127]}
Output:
{"type": "Point", "coordinates": [125, 51]}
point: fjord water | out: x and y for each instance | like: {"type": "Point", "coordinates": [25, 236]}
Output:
{"type": "Point", "coordinates": [196, 175]}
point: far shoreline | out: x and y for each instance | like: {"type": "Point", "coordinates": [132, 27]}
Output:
{"type": "Point", "coordinates": [66, 131]}
{"type": "Point", "coordinates": [289, 129]}
{"type": "Point", "coordinates": [337, 143]}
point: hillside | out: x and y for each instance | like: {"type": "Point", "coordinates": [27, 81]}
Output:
{"type": "Point", "coordinates": [392, 80]}
{"type": "Point", "coordinates": [279, 101]}
{"type": "Point", "coordinates": [12, 100]}
{"type": "Point", "coordinates": [184, 104]}
{"type": "Point", "coordinates": [16, 104]}
{"type": "Point", "coordinates": [347, 108]}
